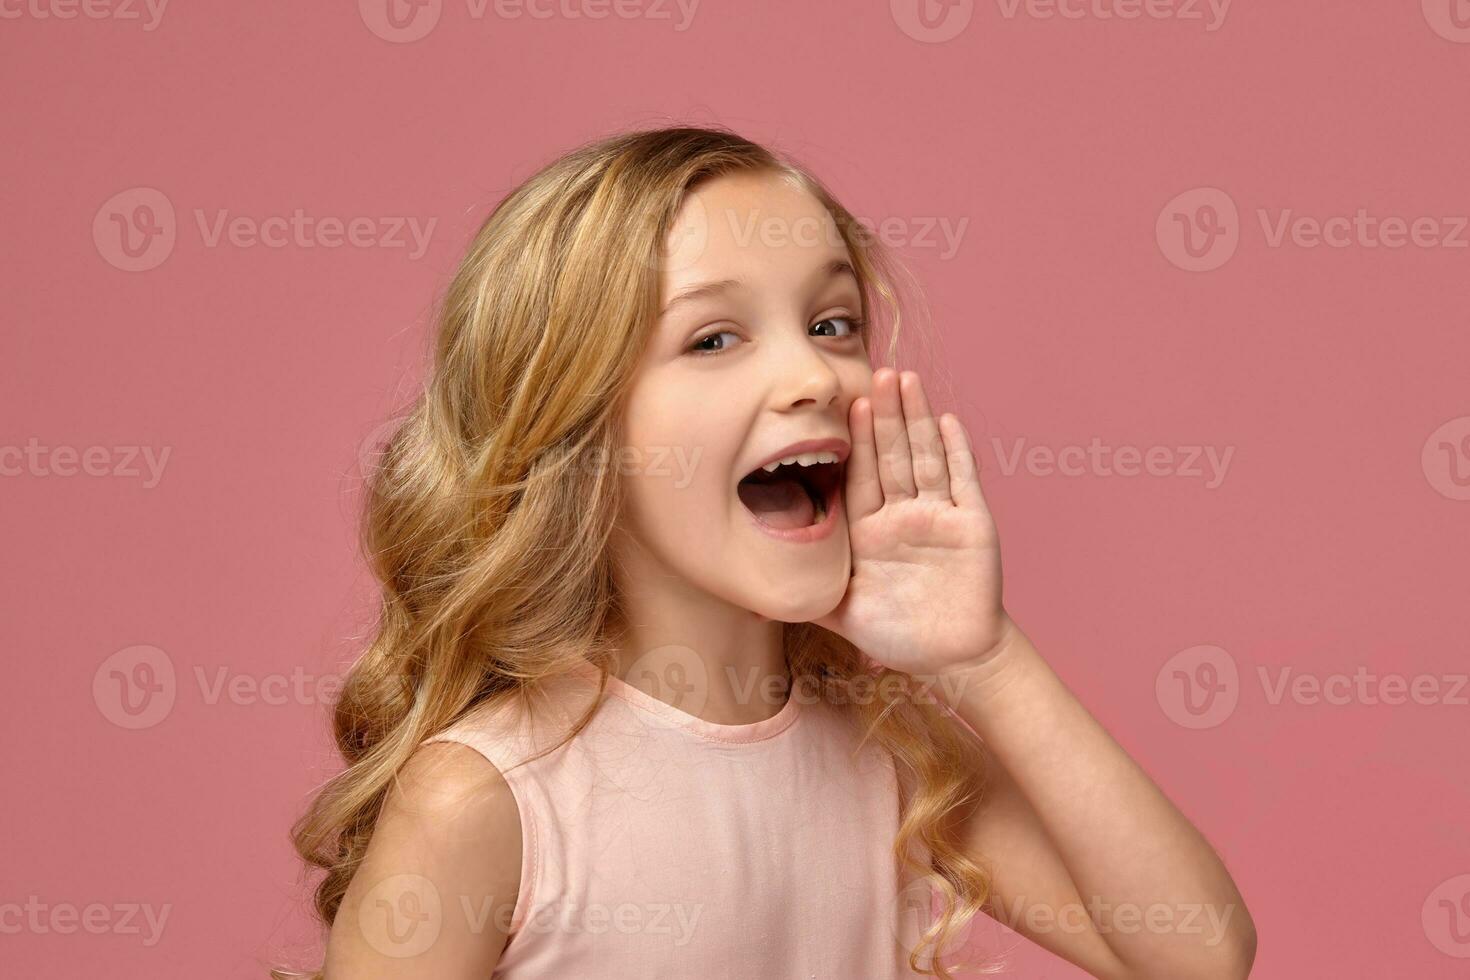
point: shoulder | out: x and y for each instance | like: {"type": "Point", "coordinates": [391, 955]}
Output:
{"type": "Point", "coordinates": [448, 838]}
{"type": "Point", "coordinates": [448, 780]}
{"type": "Point", "coordinates": [517, 728]}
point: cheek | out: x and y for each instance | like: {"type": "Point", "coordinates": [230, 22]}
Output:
{"type": "Point", "coordinates": [681, 441]}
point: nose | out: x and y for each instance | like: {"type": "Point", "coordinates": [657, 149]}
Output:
{"type": "Point", "coordinates": [804, 377]}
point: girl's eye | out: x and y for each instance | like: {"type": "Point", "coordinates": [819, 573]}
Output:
{"type": "Point", "coordinates": [703, 344]}
{"type": "Point", "coordinates": [853, 325]}
{"type": "Point", "coordinates": [839, 327]}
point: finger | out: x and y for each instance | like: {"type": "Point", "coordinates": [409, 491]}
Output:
{"type": "Point", "coordinates": [964, 470]}
{"type": "Point", "coordinates": [864, 494]}
{"type": "Point", "coordinates": [895, 468]}
{"type": "Point", "coordinates": [931, 474]}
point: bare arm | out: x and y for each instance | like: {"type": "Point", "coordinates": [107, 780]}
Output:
{"type": "Point", "coordinates": [1075, 829]}
{"type": "Point", "coordinates": [1091, 860]}
{"type": "Point", "coordinates": [434, 894]}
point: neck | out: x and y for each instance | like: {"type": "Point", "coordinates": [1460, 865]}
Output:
{"type": "Point", "coordinates": [696, 651]}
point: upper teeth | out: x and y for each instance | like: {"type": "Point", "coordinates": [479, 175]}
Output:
{"type": "Point", "coordinates": [803, 459]}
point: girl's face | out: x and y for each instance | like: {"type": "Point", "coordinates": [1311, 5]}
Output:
{"type": "Point", "coordinates": [756, 357]}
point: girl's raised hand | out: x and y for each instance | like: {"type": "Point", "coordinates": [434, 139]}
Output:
{"type": "Point", "coordinates": [925, 592]}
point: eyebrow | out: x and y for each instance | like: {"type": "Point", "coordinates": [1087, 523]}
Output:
{"type": "Point", "coordinates": [833, 269]}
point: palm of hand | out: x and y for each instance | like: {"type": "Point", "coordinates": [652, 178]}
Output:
{"type": "Point", "coordinates": [925, 592]}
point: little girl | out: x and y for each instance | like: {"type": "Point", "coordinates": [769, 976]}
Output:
{"type": "Point", "coordinates": [692, 660]}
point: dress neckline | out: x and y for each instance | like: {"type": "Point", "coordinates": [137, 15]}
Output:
{"type": "Point", "coordinates": [751, 732]}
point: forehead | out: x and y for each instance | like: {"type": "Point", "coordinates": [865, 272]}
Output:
{"type": "Point", "coordinates": [739, 226]}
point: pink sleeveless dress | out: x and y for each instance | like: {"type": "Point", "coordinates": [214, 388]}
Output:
{"type": "Point", "coordinates": [657, 844]}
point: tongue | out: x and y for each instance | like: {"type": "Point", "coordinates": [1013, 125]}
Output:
{"type": "Point", "coordinates": [782, 503]}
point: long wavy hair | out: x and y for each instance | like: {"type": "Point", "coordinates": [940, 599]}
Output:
{"type": "Point", "coordinates": [489, 538]}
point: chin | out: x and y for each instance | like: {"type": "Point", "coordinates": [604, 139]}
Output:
{"type": "Point", "coordinates": [799, 602]}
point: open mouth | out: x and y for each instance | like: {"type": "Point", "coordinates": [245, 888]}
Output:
{"type": "Point", "coordinates": [795, 493]}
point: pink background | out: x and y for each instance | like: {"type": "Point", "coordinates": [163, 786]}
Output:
{"type": "Point", "coordinates": [1336, 540]}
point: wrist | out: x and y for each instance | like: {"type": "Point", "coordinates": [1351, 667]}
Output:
{"type": "Point", "coordinates": [982, 676]}
{"type": "Point", "coordinates": [1007, 636]}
